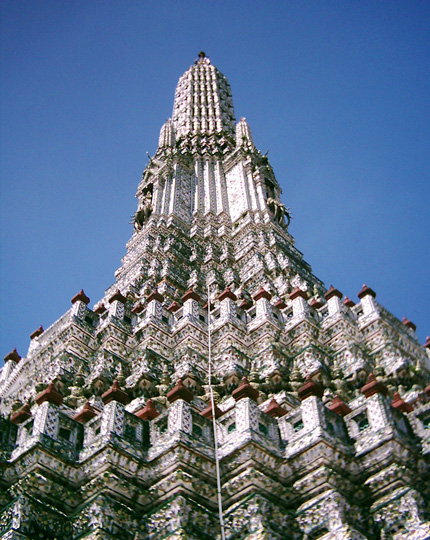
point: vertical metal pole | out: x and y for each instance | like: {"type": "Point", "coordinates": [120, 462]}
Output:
{"type": "Point", "coordinates": [218, 476]}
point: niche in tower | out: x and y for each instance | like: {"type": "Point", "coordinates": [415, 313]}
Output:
{"type": "Point", "coordinates": [145, 207]}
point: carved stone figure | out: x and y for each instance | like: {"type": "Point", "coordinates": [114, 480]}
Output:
{"type": "Point", "coordinates": [143, 212]}
{"type": "Point", "coordinates": [279, 211]}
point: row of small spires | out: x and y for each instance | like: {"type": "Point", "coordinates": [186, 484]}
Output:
{"type": "Point", "coordinates": [244, 390]}
{"type": "Point", "coordinates": [227, 293]}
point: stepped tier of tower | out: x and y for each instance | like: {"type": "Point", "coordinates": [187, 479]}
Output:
{"type": "Point", "coordinates": [322, 403]}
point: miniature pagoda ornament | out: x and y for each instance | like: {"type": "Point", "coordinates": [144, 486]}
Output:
{"type": "Point", "coordinates": [322, 410]}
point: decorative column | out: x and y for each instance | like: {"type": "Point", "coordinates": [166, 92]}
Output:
{"type": "Point", "coordinates": [154, 308]}
{"type": "Point", "coordinates": [190, 308]}
{"type": "Point", "coordinates": [10, 361]}
{"type": "Point", "coordinates": [300, 305]}
{"type": "Point", "coordinates": [46, 415]}
{"type": "Point", "coordinates": [334, 304]}
{"type": "Point", "coordinates": [116, 305]}
{"type": "Point", "coordinates": [228, 308]}
{"type": "Point", "coordinates": [247, 411]}
{"type": "Point", "coordinates": [115, 400]}
{"type": "Point", "coordinates": [80, 302]}
{"type": "Point", "coordinates": [262, 302]}
{"type": "Point", "coordinates": [180, 418]}
{"type": "Point", "coordinates": [367, 297]}
{"type": "Point", "coordinates": [378, 409]}
{"type": "Point", "coordinates": [313, 410]}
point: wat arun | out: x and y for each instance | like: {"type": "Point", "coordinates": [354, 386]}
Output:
{"type": "Point", "coordinates": [320, 418]}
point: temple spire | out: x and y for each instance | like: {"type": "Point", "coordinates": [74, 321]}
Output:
{"type": "Point", "coordinates": [203, 103]}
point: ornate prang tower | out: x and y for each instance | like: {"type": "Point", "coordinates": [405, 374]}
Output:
{"type": "Point", "coordinates": [322, 404]}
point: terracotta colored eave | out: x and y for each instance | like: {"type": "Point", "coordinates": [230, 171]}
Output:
{"type": "Point", "coordinates": [115, 393]}
{"type": "Point", "coordinates": [332, 292]}
{"type": "Point", "coordinates": [117, 296]}
{"type": "Point", "coordinates": [191, 295]}
{"type": "Point", "coordinates": [174, 306]}
{"type": "Point", "coordinates": [316, 304]}
{"type": "Point", "coordinates": [298, 293]}
{"type": "Point", "coordinates": [51, 395]}
{"type": "Point", "coordinates": [81, 297]}
{"type": "Point", "coordinates": [339, 407]}
{"type": "Point", "coordinates": [37, 332]}
{"type": "Point", "coordinates": [155, 295]}
{"type": "Point", "coordinates": [87, 413]}
{"type": "Point", "coordinates": [138, 308]}
{"type": "Point", "coordinates": [149, 412]}
{"type": "Point", "coordinates": [275, 410]}
{"type": "Point", "coordinates": [365, 290]}
{"type": "Point", "coordinates": [22, 415]}
{"type": "Point", "coordinates": [262, 293]}
{"type": "Point", "coordinates": [348, 302]}
{"type": "Point", "coordinates": [280, 304]}
{"type": "Point", "coordinates": [245, 390]}
{"type": "Point", "coordinates": [310, 388]}
{"type": "Point", "coordinates": [180, 391]}
{"type": "Point", "coordinates": [400, 404]}
{"type": "Point", "coordinates": [245, 304]}
{"type": "Point", "coordinates": [227, 293]}
{"type": "Point", "coordinates": [13, 355]}
{"type": "Point", "coordinates": [207, 413]}
{"type": "Point", "coordinates": [373, 387]}
{"type": "Point", "coordinates": [409, 324]}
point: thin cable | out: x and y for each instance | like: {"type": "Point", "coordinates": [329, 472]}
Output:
{"type": "Point", "coordinates": [218, 475]}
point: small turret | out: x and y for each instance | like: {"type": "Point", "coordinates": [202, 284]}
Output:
{"type": "Point", "coordinates": [167, 135]}
{"type": "Point", "coordinates": [243, 134]}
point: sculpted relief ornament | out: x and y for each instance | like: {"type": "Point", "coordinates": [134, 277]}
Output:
{"type": "Point", "coordinates": [279, 211]}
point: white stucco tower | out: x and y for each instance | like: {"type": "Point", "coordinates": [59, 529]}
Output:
{"type": "Point", "coordinates": [322, 404]}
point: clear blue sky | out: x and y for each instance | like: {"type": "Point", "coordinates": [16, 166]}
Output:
{"type": "Point", "coordinates": [338, 91]}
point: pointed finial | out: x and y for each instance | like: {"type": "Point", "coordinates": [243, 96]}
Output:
{"type": "Point", "coordinates": [274, 409]}
{"type": "Point", "coordinates": [245, 390]}
{"type": "Point", "coordinates": [373, 386]}
{"type": "Point", "coordinates": [365, 291]}
{"type": "Point", "coordinates": [37, 332]}
{"type": "Point", "coordinates": [50, 394]}
{"type": "Point", "coordinates": [339, 407]}
{"type": "Point", "coordinates": [13, 355]}
{"type": "Point", "coordinates": [180, 391]}
{"type": "Point", "coordinates": [401, 404]}
{"type": "Point", "coordinates": [81, 296]}
{"type": "Point", "coordinates": [208, 413]}
{"type": "Point", "coordinates": [115, 394]}
{"type": "Point", "coordinates": [310, 388]}
{"type": "Point", "coordinates": [149, 412]}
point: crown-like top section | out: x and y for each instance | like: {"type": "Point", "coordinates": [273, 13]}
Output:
{"type": "Point", "coordinates": [203, 103]}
